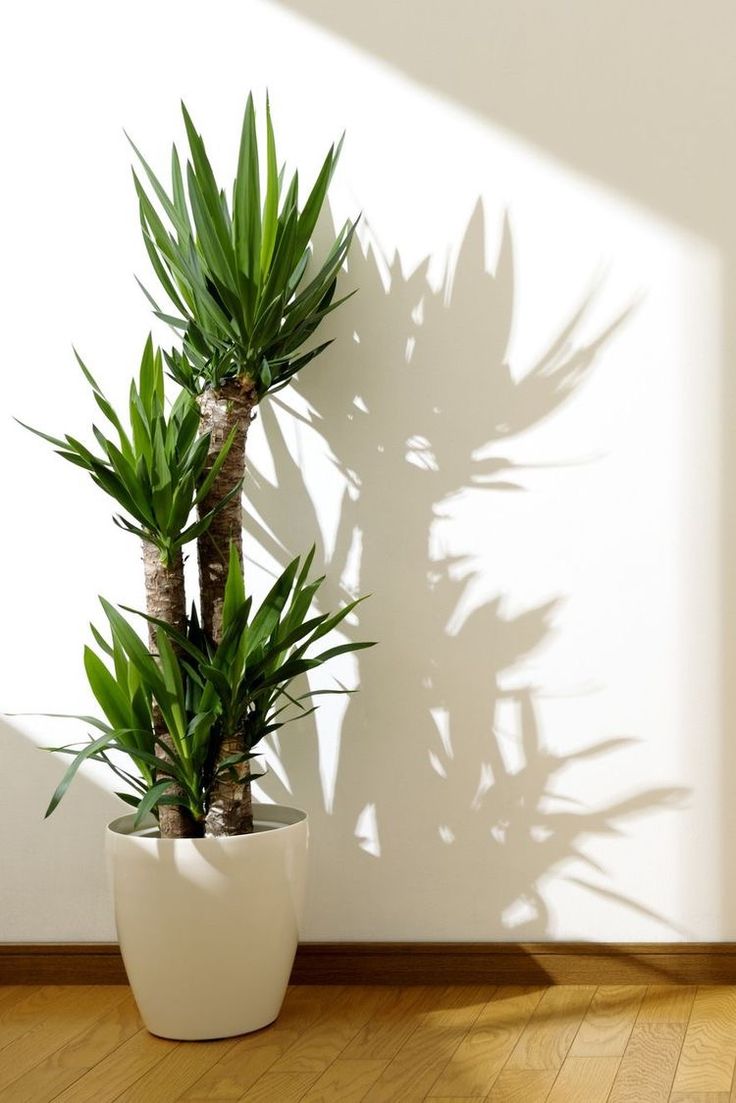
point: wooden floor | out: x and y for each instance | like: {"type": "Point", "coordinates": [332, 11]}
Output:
{"type": "Point", "coordinates": [622, 1044]}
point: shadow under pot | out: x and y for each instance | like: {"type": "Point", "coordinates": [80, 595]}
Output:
{"type": "Point", "coordinates": [208, 928]}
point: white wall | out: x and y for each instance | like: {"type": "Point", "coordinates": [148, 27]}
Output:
{"type": "Point", "coordinates": [520, 444]}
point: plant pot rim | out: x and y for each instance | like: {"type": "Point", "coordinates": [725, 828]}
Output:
{"type": "Point", "coordinates": [271, 817]}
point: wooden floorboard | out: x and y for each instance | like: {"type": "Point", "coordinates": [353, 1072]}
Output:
{"type": "Point", "coordinates": [708, 1055]}
{"type": "Point", "coordinates": [254, 1055]}
{"type": "Point", "coordinates": [584, 1080]}
{"type": "Point", "coordinates": [411, 1074]}
{"type": "Point", "coordinates": [546, 1039]}
{"type": "Point", "coordinates": [61, 1068]}
{"type": "Point", "coordinates": [608, 1022]}
{"type": "Point", "coordinates": [485, 1049]}
{"type": "Point", "coordinates": [59, 1016]}
{"type": "Point", "coordinates": [649, 1063]}
{"type": "Point", "coordinates": [378, 1044]}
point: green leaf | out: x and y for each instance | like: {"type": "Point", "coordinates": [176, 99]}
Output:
{"type": "Point", "coordinates": [343, 649]}
{"type": "Point", "coordinates": [315, 202]}
{"type": "Point", "coordinates": [174, 212]}
{"type": "Point", "coordinates": [104, 405]}
{"type": "Point", "coordinates": [219, 680]}
{"type": "Point", "coordinates": [166, 282]}
{"type": "Point", "coordinates": [180, 640]}
{"type": "Point", "coordinates": [234, 588]}
{"type": "Point", "coordinates": [208, 192]}
{"type": "Point", "coordinates": [82, 756]}
{"type": "Point", "coordinates": [147, 388]}
{"type": "Point", "coordinates": [149, 801]}
{"type": "Point", "coordinates": [268, 615]}
{"type": "Point", "coordinates": [134, 648]}
{"type": "Point", "coordinates": [214, 252]}
{"type": "Point", "coordinates": [108, 693]}
{"type": "Point", "coordinates": [335, 618]}
{"type": "Point", "coordinates": [179, 197]}
{"type": "Point", "coordinates": [101, 642]}
{"type": "Point", "coordinates": [214, 471]}
{"type": "Point", "coordinates": [198, 527]}
{"type": "Point", "coordinates": [44, 436]}
{"type": "Point", "coordinates": [174, 709]}
{"type": "Point", "coordinates": [128, 798]}
{"type": "Point", "coordinates": [247, 198]}
{"type": "Point", "coordinates": [271, 202]}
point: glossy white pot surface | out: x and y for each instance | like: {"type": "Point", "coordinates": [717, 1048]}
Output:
{"type": "Point", "coordinates": [208, 928]}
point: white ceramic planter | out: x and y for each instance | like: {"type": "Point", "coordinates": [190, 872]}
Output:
{"type": "Point", "coordinates": [208, 928]}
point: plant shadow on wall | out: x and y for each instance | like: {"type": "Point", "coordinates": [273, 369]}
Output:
{"type": "Point", "coordinates": [427, 819]}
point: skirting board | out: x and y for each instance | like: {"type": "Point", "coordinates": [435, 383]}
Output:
{"type": "Point", "coordinates": [418, 963]}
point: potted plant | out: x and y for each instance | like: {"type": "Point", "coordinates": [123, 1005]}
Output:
{"type": "Point", "coordinates": [208, 886]}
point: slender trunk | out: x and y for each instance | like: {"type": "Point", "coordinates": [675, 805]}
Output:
{"type": "Point", "coordinates": [227, 408]}
{"type": "Point", "coordinates": [166, 600]}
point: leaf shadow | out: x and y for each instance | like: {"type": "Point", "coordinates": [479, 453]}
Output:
{"type": "Point", "coordinates": [424, 827]}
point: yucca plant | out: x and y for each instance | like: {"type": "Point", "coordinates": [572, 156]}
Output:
{"type": "Point", "coordinates": [236, 273]}
{"type": "Point", "coordinates": [159, 470]}
{"type": "Point", "coordinates": [188, 709]}
{"type": "Point", "coordinates": [247, 301]}
{"type": "Point", "coordinates": [207, 695]}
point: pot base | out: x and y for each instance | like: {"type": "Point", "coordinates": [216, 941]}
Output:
{"type": "Point", "coordinates": [208, 928]}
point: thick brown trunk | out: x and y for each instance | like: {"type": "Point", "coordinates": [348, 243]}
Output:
{"type": "Point", "coordinates": [228, 408]}
{"type": "Point", "coordinates": [166, 600]}
{"type": "Point", "coordinates": [230, 811]}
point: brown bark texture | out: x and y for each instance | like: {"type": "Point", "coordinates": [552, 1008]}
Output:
{"type": "Point", "coordinates": [228, 408]}
{"type": "Point", "coordinates": [166, 600]}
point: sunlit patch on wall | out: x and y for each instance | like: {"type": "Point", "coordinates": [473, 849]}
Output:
{"type": "Point", "coordinates": [366, 831]}
{"type": "Point", "coordinates": [441, 718]}
{"type": "Point", "coordinates": [519, 913]}
{"type": "Point", "coordinates": [436, 764]}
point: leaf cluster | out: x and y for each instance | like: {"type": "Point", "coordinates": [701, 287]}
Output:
{"type": "Point", "coordinates": [236, 271]}
{"type": "Point", "coordinates": [158, 469]}
{"type": "Point", "coordinates": [205, 692]}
